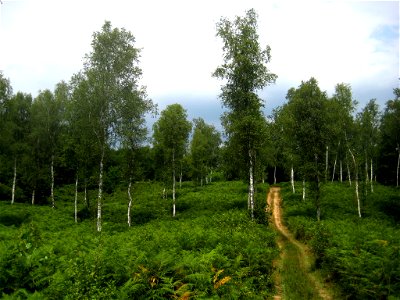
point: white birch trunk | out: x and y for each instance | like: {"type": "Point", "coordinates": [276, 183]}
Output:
{"type": "Point", "coordinates": [99, 197]}
{"type": "Point", "coordinates": [33, 197]}
{"type": "Point", "coordinates": [348, 171]}
{"type": "Point", "coordinates": [275, 175]}
{"type": "Point", "coordinates": [164, 194]}
{"type": "Point", "coordinates": [14, 181]}
{"type": "Point", "coordinates": [251, 187]}
{"type": "Point", "coordinates": [292, 179]}
{"type": "Point", "coordinates": [173, 183]}
{"type": "Point", "coordinates": [334, 170]}
{"type": "Point", "coordinates": [326, 163]}
{"type": "Point", "coordinates": [211, 173]}
{"type": "Point", "coordinates": [129, 203]}
{"type": "Point", "coordinates": [356, 184]}
{"type": "Point", "coordinates": [341, 171]}
{"type": "Point", "coordinates": [76, 200]}
{"type": "Point", "coordinates": [85, 197]}
{"type": "Point", "coordinates": [372, 176]}
{"type": "Point", "coordinates": [304, 190]}
{"type": "Point", "coordinates": [53, 204]}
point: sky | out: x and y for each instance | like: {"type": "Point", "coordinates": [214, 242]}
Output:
{"type": "Point", "coordinates": [357, 42]}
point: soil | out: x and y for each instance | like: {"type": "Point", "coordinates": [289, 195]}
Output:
{"type": "Point", "coordinates": [274, 206]}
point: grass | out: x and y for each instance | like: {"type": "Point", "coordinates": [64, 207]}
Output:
{"type": "Point", "coordinates": [211, 249]}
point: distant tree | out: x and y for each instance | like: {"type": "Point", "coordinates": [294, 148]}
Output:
{"type": "Point", "coordinates": [17, 125]}
{"type": "Point", "coordinates": [368, 121]}
{"type": "Point", "coordinates": [310, 132]}
{"type": "Point", "coordinates": [246, 72]}
{"type": "Point", "coordinates": [47, 119]}
{"type": "Point", "coordinates": [390, 141]}
{"type": "Point", "coordinates": [171, 133]}
{"type": "Point", "coordinates": [342, 106]}
{"type": "Point", "coordinates": [109, 93]}
{"type": "Point", "coordinates": [204, 149]}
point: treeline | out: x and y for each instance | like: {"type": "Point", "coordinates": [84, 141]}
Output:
{"type": "Point", "coordinates": [91, 131]}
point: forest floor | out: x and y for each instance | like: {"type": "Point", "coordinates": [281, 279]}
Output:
{"type": "Point", "coordinates": [295, 277]}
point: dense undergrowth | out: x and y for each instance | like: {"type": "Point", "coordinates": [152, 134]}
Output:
{"type": "Point", "coordinates": [361, 255]}
{"type": "Point", "coordinates": [211, 249]}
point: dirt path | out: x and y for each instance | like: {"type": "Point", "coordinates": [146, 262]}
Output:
{"type": "Point", "coordinates": [287, 239]}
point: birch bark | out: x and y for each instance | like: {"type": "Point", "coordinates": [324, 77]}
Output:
{"type": "Point", "coordinates": [76, 200]}
{"type": "Point", "coordinates": [356, 183]}
{"type": "Point", "coordinates": [251, 188]}
{"type": "Point", "coordinates": [304, 190]}
{"type": "Point", "coordinates": [53, 204]}
{"type": "Point", "coordinates": [341, 171]}
{"type": "Point", "coordinates": [372, 176]}
{"type": "Point", "coordinates": [14, 181]}
{"type": "Point", "coordinates": [292, 179]}
{"type": "Point", "coordinates": [275, 175]}
{"type": "Point", "coordinates": [33, 197]}
{"type": "Point", "coordinates": [99, 197]}
{"type": "Point", "coordinates": [130, 202]}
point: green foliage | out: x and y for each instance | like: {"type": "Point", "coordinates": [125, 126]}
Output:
{"type": "Point", "coordinates": [210, 250]}
{"type": "Point", "coordinates": [360, 255]}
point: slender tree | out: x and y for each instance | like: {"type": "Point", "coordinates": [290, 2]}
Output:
{"type": "Point", "coordinates": [245, 71]}
{"type": "Point", "coordinates": [171, 133]}
{"type": "Point", "coordinates": [204, 149]}
{"type": "Point", "coordinates": [109, 85]}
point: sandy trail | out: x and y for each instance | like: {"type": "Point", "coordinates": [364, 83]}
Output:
{"type": "Point", "coordinates": [274, 205]}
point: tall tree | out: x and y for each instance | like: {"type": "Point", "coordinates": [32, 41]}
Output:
{"type": "Point", "coordinates": [310, 132]}
{"type": "Point", "coordinates": [204, 149]}
{"type": "Point", "coordinates": [47, 119]}
{"type": "Point", "coordinates": [109, 81]}
{"type": "Point", "coordinates": [246, 72]}
{"type": "Point", "coordinates": [342, 106]}
{"type": "Point", "coordinates": [17, 122]}
{"type": "Point", "coordinates": [368, 121]}
{"type": "Point", "coordinates": [171, 133]}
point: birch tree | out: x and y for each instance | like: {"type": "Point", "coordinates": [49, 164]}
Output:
{"type": "Point", "coordinates": [170, 136]}
{"type": "Point", "coordinates": [308, 106]}
{"type": "Point", "coordinates": [16, 128]}
{"type": "Point", "coordinates": [47, 118]}
{"type": "Point", "coordinates": [244, 68]}
{"type": "Point", "coordinates": [109, 79]}
{"type": "Point", "coordinates": [204, 149]}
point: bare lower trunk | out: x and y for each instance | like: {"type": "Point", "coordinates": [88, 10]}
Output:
{"type": "Point", "coordinates": [317, 197]}
{"type": "Point", "coordinates": [334, 170]}
{"type": "Point", "coordinates": [164, 194]}
{"type": "Point", "coordinates": [275, 175]}
{"type": "Point", "coordinates": [292, 179]}
{"type": "Point", "coordinates": [76, 200]}
{"type": "Point", "coordinates": [53, 203]}
{"type": "Point", "coordinates": [341, 171]}
{"type": "Point", "coordinates": [251, 187]}
{"type": "Point", "coordinates": [304, 190]}
{"type": "Point", "coordinates": [129, 203]}
{"type": "Point", "coordinates": [85, 196]}
{"type": "Point", "coordinates": [356, 183]}
{"type": "Point", "coordinates": [99, 197]}
{"type": "Point", "coordinates": [326, 163]}
{"type": "Point", "coordinates": [211, 173]}
{"type": "Point", "coordinates": [173, 183]}
{"type": "Point", "coordinates": [348, 170]}
{"type": "Point", "coordinates": [33, 197]}
{"type": "Point", "coordinates": [372, 176]}
{"type": "Point", "coordinates": [14, 181]}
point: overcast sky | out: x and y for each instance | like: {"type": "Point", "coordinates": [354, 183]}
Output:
{"type": "Point", "coordinates": [44, 42]}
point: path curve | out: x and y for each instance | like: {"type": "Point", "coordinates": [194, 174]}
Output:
{"type": "Point", "coordinates": [274, 206]}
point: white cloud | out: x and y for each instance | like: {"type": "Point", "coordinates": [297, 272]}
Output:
{"type": "Point", "coordinates": [332, 41]}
